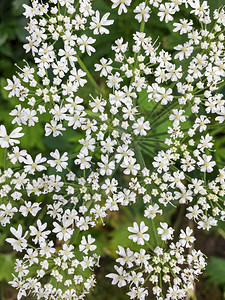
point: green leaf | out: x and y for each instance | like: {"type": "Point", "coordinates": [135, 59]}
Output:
{"type": "Point", "coordinates": [4, 92]}
{"type": "Point", "coordinates": [21, 34]}
{"type": "Point", "coordinates": [32, 137]}
{"type": "Point", "coordinates": [216, 270]}
{"type": "Point", "coordinates": [18, 8]}
{"type": "Point", "coordinates": [3, 37]}
{"type": "Point", "coordinates": [6, 266]}
{"type": "Point", "coordinates": [6, 50]}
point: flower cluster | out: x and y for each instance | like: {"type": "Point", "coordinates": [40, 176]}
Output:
{"type": "Point", "coordinates": [171, 272]}
{"type": "Point", "coordinates": [123, 155]}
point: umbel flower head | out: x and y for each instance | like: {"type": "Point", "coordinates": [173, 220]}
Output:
{"type": "Point", "coordinates": [144, 137]}
{"type": "Point", "coordinates": [171, 272]}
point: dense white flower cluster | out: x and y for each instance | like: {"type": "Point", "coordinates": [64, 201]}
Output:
{"type": "Point", "coordinates": [121, 158]}
{"type": "Point", "coordinates": [171, 272]}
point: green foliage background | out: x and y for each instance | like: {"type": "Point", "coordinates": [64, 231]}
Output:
{"type": "Point", "coordinates": [12, 36]}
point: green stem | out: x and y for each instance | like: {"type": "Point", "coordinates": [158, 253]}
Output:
{"type": "Point", "coordinates": [90, 77]}
{"type": "Point", "coordinates": [141, 161]}
{"type": "Point", "coordinates": [74, 236]}
{"type": "Point", "coordinates": [155, 233]}
{"type": "Point", "coordinates": [139, 156]}
{"type": "Point", "coordinates": [5, 154]}
{"type": "Point", "coordinates": [151, 140]}
{"type": "Point", "coordinates": [77, 231]}
{"type": "Point", "coordinates": [164, 111]}
{"type": "Point", "coordinates": [142, 28]}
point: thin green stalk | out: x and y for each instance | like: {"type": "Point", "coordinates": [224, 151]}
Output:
{"type": "Point", "coordinates": [164, 111]}
{"type": "Point", "coordinates": [141, 161]}
{"type": "Point", "coordinates": [5, 155]}
{"type": "Point", "coordinates": [155, 233]}
{"type": "Point", "coordinates": [139, 156]}
{"type": "Point", "coordinates": [77, 231]}
{"type": "Point", "coordinates": [74, 236]}
{"type": "Point", "coordinates": [90, 77]}
{"type": "Point", "coordinates": [151, 140]}
{"type": "Point", "coordinates": [153, 110]}
{"type": "Point", "coordinates": [142, 28]}
{"type": "Point", "coordinates": [147, 150]}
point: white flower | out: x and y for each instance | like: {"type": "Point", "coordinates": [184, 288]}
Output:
{"type": "Point", "coordinates": [47, 249]}
{"type": "Point", "coordinates": [66, 252]}
{"type": "Point", "coordinates": [77, 77]}
{"type": "Point", "coordinates": [63, 232]}
{"type": "Point", "coordinates": [120, 47]}
{"type": "Point", "coordinates": [83, 161]}
{"type": "Point", "coordinates": [184, 26]}
{"type": "Point", "coordinates": [165, 231]}
{"type": "Point", "coordinates": [194, 212]}
{"type": "Point", "coordinates": [207, 222]}
{"type": "Point", "coordinates": [119, 278]}
{"type": "Point", "coordinates": [68, 53]}
{"type": "Point", "coordinates": [185, 237]}
{"type": "Point", "coordinates": [36, 165]}
{"type": "Point", "coordinates": [205, 163]}
{"type": "Point", "coordinates": [86, 244]}
{"type": "Point", "coordinates": [32, 208]}
{"type": "Point", "coordinates": [143, 12]}
{"type": "Point", "coordinates": [177, 116]}
{"type": "Point", "coordinates": [166, 11]}
{"type": "Point", "coordinates": [17, 155]}
{"type": "Point", "coordinates": [130, 166]}
{"type": "Point", "coordinates": [88, 145]}
{"type": "Point", "coordinates": [185, 51]}
{"type": "Point", "coordinates": [98, 24]}
{"type": "Point", "coordinates": [139, 235]}
{"type": "Point", "coordinates": [20, 242]}
{"type": "Point", "coordinates": [141, 127]}
{"type": "Point", "coordinates": [122, 5]}
{"type": "Point", "coordinates": [60, 67]}
{"type": "Point", "coordinates": [53, 128]}
{"type": "Point", "coordinates": [152, 210]}
{"type": "Point", "coordinates": [13, 86]}
{"type": "Point", "coordinates": [106, 167]}
{"type": "Point", "coordinates": [85, 43]}
{"type": "Point", "coordinates": [9, 140]}
{"type": "Point", "coordinates": [123, 151]}
{"type": "Point", "coordinates": [199, 8]}
{"type": "Point", "coordinates": [104, 66]}
{"type": "Point", "coordinates": [126, 257]}
{"type": "Point", "coordinates": [114, 80]}
{"type": "Point", "coordinates": [39, 233]}
{"type": "Point", "coordinates": [98, 104]}
{"type": "Point", "coordinates": [59, 162]}
{"type": "Point", "coordinates": [21, 285]}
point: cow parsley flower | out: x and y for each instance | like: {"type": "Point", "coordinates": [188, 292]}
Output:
{"type": "Point", "coordinates": [139, 235]}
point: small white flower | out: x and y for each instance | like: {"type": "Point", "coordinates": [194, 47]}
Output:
{"type": "Point", "coordinates": [185, 237]}
{"type": "Point", "coordinates": [85, 43]}
{"type": "Point", "coordinates": [9, 140]}
{"type": "Point", "coordinates": [205, 163]}
{"type": "Point", "coordinates": [165, 231]}
{"type": "Point", "coordinates": [63, 232]}
{"type": "Point", "coordinates": [20, 242]}
{"type": "Point", "coordinates": [98, 24]}
{"type": "Point", "coordinates": [86, 244]}
{"type": "Point", "coordinates": [139, 235]}
{"type": "Point", "coordinates": [83, 161]}
{"type": "Point", "coordinates": [141, 127]}
{"type": "Point", "coordinates": [142, 12]}
{"type": "Point", "coordinates": [122, 5]}
{"type": "Point", "coordinates": [119, 278]}
{"type": "Point", "coordinates": [59, 162]}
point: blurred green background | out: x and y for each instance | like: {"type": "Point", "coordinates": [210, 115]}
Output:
{"type": "Point", "coordinates": [211, 285]}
